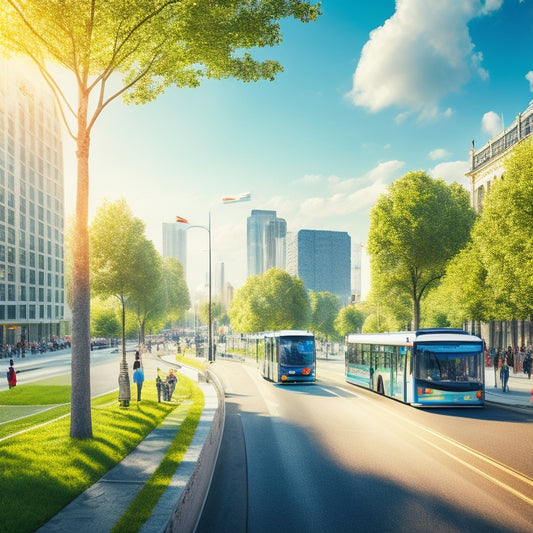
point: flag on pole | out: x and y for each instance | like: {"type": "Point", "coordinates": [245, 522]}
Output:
{"type": "Point", "coordinates": [234, 199]}
{"type": "Point", "coordinates": [182, 220]}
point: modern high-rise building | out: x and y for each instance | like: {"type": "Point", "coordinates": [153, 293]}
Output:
{"type": "Point", "coordinates": [266, 241]}
{"type": "Point", "coordinates": [32, 271]}
{"type": "Point", "coordinates": [321, 259]}
{"type": "Point", "coordinates": [175, 243]}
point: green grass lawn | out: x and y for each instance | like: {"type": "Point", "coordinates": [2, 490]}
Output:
{"type": "Point", "coordinates": [43, 469]}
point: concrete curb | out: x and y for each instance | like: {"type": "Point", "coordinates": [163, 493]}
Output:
{"type": "Point", "coordinates": [187, 512]}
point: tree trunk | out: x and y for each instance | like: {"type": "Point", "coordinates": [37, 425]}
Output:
{"type": "Point", "coordinates": [416, 312]}
{"type": "Point", "coordinates": [80, 408]}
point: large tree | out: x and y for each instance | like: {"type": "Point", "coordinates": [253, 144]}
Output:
{"type": "Point", "coordinates": [503, 242]}
{"type": "Point", "coordinates": [120, 262]}
{"type": "Point", "coordinates": [152, 45]}
{"type": "Point", "coordinates": [273, 301]}
{"type": "Point", "coordinates": [416, 228]}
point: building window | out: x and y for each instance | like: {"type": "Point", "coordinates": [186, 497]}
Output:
{"type": "Point", "coordinates": [22, 311]}
{"type": "Point", "coordinates": [11, 312]}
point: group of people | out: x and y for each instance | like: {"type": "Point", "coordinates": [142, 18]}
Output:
{"type": "Point", "coordinates": [503, 360]}
{"type": "Point", "coordinates": [167, 386]}
{"type": "Point", "coordinates": [21, 348]}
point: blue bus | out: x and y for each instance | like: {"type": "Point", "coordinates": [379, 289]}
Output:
{"type": "Point", "coordinates": [288, 356]}
{"type": "Point", "coordinates": [437, 367]}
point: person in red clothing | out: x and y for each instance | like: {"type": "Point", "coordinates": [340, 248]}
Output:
{"type": "Point", "coordinates": [11, 376]}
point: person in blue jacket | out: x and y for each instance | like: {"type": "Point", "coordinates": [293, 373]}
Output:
{"type": "Point", "coordinates": [138, 377]}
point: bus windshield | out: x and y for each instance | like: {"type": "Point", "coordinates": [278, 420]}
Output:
{"type": "Point", "coordinates": [452, 363]}
{"type": "Point", "coordinates": [295, 351]}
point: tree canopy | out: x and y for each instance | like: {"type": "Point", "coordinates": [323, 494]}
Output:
{"type": "Point", "coordinates": [415, 229]}
{"type": "Point", "coordinates": [324, 310]}
{"type": "Point", "coordinates": [493, 277]}
{"type": "Point", "coordinates": [273, 301]}
{"type": "Point", "coordinates": [152, 45]}
{"type": "Point", "coordinates": [349, 320]}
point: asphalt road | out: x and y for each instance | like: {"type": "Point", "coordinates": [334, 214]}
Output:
{"type": "Point", "coordinates": [333, 457]}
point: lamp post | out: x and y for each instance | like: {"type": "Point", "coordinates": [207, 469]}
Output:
{"type": "Point", "coordinates": [226, 200]}
{"type": "Point", "coordinates": [207, 228]}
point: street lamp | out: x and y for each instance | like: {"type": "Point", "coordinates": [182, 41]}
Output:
{"type": "Point", "coordinates": [226, 200]}
{"type": "Point", "coordinates": [207, 228]}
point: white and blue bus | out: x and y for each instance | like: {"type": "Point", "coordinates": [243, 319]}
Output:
{"type": "Point", "coordinates": [288, 356]}
{"type": "Point", "coordinates": [437, 367]}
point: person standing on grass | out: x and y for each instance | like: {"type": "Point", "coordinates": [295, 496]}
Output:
{"type": "Point", "coordinates": [11, 376]}
{"type": "Point", "coordinates": [138, 377]}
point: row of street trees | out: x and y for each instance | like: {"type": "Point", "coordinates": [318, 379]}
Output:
{"type": "Point", "coordinates": [435, 262]}
{"type": "Point", "coordinates": [276, 300]}
{"type": "Point", "coordinates": [126, 266]}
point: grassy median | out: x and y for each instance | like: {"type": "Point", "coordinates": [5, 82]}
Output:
{"type": "Point", "coordinates": [43, 469]}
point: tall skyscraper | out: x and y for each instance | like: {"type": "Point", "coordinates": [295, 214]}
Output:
{"type": "Point", "coordinates": [266, 241]}
{"type": "Point", "coordinates": [175, 243]}
{"type": "Point", "coordinates": [321, 259]}
{"type": "Point", "coordinates": [32, 295]}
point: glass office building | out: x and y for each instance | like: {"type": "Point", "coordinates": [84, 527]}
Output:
{"type": "Point", "coordinates": [32, 268]}
{"type": "Point", "coordinates": [322, 260]}
{"type": "Point", "coordinates": [266, 241]}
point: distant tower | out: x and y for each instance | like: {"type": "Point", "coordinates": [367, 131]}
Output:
{"type": "Point", "coordinates": [266, 241]}
{"type": "Point", "coordinates": [175, 243]}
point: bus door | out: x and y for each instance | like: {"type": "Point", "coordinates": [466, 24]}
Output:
{"type": "Point", "coordinates": [408, 393]}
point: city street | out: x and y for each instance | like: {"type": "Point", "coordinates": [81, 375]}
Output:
{"type": "Point", "coordinates": [332, 457]}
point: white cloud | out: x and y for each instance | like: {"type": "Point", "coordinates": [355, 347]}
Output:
{"type": "Point", "coordinates": [529, 77]}
{"type": "Point", "coordinates": [351, 195]}
{"type": "Point", "coordinates": [452, 171]}
{"type": "Point", "coordinates": [439, 153]}
{"type": "Point", "coordinates": [419, 55]}
{"type": "Point", "coordinates": [492, 123]}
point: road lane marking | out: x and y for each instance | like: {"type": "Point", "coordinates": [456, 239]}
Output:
{"type": "Point", "coordinates": [523, 478]}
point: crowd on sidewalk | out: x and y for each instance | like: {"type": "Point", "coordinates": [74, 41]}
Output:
{"type": "Point", "coordinates": [519, 360]}
{"type": "Point", "coordinates": [21, 348]}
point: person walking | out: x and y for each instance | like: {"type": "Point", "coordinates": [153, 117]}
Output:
{"type": "Point", "coordinates": [504, 375]}
{"type": "Point", "coordinates": [527, 364]}
{"type": "Point", "coordinates": [171, 380]}
{"type": "Point", "coordinates": [11, 375]}
{"type": "Point", "coordinates": [138, 377]}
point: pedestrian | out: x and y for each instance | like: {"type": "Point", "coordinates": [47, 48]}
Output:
{"type": "Point", "coordinates": [496, 364]}
{"type": "Point", "coordinates": [11, 376]}
{"type": "Point", "coordinates": [504, 375]}
{"type": "Point", "coordinates": [138, 377]}
{"type": "Point", "coordinates": [171, 380]}
{"type": "Point", "coordinates": [527, 364]}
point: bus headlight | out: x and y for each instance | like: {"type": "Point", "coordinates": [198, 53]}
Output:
{"type": "Point", "coordinates": [283, 377]}
{"type": "Point", "coordinates": [306, 371]}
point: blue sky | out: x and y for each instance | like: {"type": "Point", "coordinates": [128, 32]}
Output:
{"type": "Point", "coordinates": [370, 92]}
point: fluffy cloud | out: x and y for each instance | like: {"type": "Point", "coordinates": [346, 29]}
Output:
{"type": "Point", "coordinates": [419, 55]}
{"type": "Point", "coordinates": [529, 77]}
{"type": "Point", "coordinates": [492, 123]}
{"type": "Point", "coordinates": [347, 196]}
{"type": "Point", "coordinates": [452, 171]}
{"type": "Point", "coordinates": [439, 153]}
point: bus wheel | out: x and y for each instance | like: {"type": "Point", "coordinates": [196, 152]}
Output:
{"type": "Point", "coordinates": [381, 388]}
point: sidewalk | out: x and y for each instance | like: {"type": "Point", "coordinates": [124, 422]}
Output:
{"type": "Point", "coordinates": [104, 503]}
{"type": "Point", "coordinates": [520, 394]}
